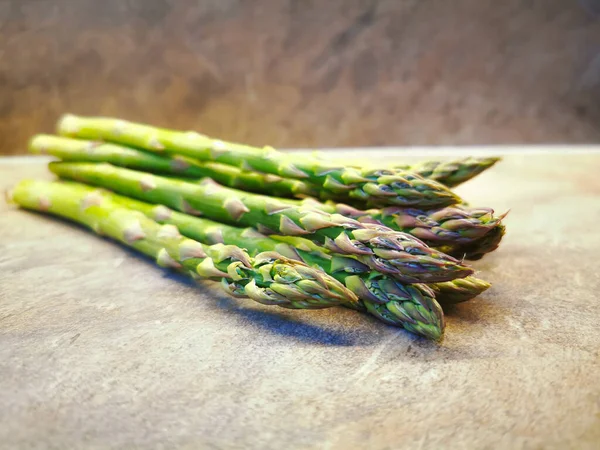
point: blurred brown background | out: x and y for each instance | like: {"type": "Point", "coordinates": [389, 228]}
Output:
{"type": "Point", "coordinates": [302, 73]}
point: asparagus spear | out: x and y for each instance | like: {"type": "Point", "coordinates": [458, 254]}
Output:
{"type": "Point", "coordinates": [460, 231]}
{"type": "Point", "coordinates": [412, 307]}
{"type": "Point", "coordinates": [371, 186]}
{"type": "Point", "coordinates": [382, 249]}
{"type": "Point", "coordinates": [453, 225]}
{"type": "Point", "coordinates": [450, 225]}
{"type": "Point", "coordinates": [451, 173]}
{"type": "Point", "coordinates": [477, 249]}
{"type": "Point", "coordinates": [459, 290]}
{"type": "Point", "coordinates": [379, 295]}
{"type": "Point", "coordinates": [79, 150]}
{"type": "Point", "coordinates": [269, 278]}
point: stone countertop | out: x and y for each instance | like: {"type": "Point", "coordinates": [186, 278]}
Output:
{"type": "Point", "coordinates": [101, 349]}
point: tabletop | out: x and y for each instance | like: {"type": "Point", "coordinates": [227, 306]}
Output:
{"type": "Point", "coordinates": [99, 348]}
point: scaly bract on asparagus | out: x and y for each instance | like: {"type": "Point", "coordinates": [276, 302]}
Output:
{"type": "Point", "coordinates": [379, 187]}
{"type": "Point", "coordinates": [269, 278]}
{"type": "Point", "coordinates": [387, 251]}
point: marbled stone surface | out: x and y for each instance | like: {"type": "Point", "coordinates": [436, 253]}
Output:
{"type": "Point", "coordinates": [300, 73]}
{"type": "Point", "coordinates": [101, 349]}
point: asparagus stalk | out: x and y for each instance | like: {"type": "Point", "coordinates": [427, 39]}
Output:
{"type": "Point", "coordinates": [79, 150]}
{"type": "Point", "coordinates": [451, 173]}
{"type": "Point", "coordinates": [385, 298]}
{"type": "Point", "coordinates": [412, 307]}
{"type": "Point", "coordinates": [396, 254]}
{"type": "Point", "coordinates": [380, 187]}
{"type": "Point", "coordinates": [269, 278]}
{"type": "Point", "coordinates": [450, 225]}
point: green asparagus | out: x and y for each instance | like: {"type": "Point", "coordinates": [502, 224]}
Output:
{"type": "Point", "coordinates": [460, 290]}
{"type": "Point", "coordinates": [480, 247]}
{"type": "Point", "coordinates": [382, 249]}
{"type": "Point", "coordinates": [379, 295]}
{"type": "Point", "coordinates": [378, 187]}
{"type": "Point", "coordinates": [269, 278]}
{"type": "Point", "coordinates": [453, 225]}
{"type": "Point", "coordinates": [450, 225]}
{"type": "Point", "coordinates": [412, 307]}
{"type": "Point", "coordinates": [450, 173]}
{"type": "Point", "coordinates": [79, 150]}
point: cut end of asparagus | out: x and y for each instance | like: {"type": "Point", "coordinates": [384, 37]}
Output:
{"type": "Point", "coordinates": [68, 125]}
{"type": "Point", "coordinates": [37, 145]}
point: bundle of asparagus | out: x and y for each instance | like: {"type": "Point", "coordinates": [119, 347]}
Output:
{"type": "Point", "coordinates": [272, 227]}
{"type": "Point", "coordinates": [452, 227]}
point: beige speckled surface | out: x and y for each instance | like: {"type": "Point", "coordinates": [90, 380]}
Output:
{"type": "Point", "coordinates": [101, 349]}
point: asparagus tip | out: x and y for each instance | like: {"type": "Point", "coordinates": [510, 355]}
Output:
{"type": "Point", "coordinates": [503, 215]}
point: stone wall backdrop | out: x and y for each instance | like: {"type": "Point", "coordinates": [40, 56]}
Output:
{"type": "Point", "coordinates": [304, 73]}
